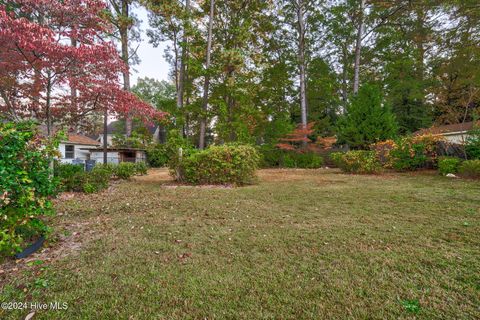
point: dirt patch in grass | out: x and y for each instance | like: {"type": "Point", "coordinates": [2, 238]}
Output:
{"type": "Point", "coordinates": [155, 175]}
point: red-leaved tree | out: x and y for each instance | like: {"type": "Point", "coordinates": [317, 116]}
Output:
{"type": "Point", "coordinates": [56, 66]}
{"type": "Point", "coordinates": [298, 140]}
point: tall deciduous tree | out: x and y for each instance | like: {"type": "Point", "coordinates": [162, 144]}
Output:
{"type": "Point", "coordinates": [206, 84]}
{"type": "Point", "coordinates": [38, 66]}
{"type": "Point", "coordinates": [358, 45]}
{"type": "Point", "coordinates": [301, 59]}
{"type": "Point", "coordinates": [121, 17]}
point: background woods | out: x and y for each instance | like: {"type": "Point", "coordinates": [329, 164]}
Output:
{"type": "Point", "coordinates": [243, 71]}
{"type": "Point", "coordinates": [270, 65]}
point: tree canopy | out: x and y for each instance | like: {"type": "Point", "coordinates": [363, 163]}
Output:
{"type": "Point", "coordinates": [250, 70]}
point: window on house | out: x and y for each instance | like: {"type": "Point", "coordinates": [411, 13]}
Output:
{"type": "Point", "coordinates": [69, 152]}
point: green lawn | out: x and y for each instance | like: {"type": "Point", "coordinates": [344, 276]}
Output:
{"type": "Point", "coordinates": [302, 244]}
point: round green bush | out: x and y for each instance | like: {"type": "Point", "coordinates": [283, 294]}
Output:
{"type": "Point", "coordinates": [125, 170]}
{"type": "Point", "coordinates": [448, 165]}
{"type": "Point", "coordinates": [226, 164]}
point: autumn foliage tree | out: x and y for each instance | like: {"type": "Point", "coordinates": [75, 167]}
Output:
{"type": "Point", "coordinates": [299, 140]}
{"type": "Point", "coordinates": [44, 76]}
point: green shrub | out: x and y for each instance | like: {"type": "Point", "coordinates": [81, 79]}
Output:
{"type": "Point", "coordinates": [358, 161]}
{"type": "Point", "coordinates": [408, 157]}
{"type": "Point", "coordinates": [26, 184]}
{"type": "Point", "coordinates": [141, 168]}
{"type": "Point", "coordinates": [68, 176]}
{"type": "Point", "coordinates": [337, 158]}
{"type": "Point", "coordinates": [411, 153]}
{"type": "Point", "coordinates": [472, 145]}
{"type": "Point", "coordinates": [110, 167]}
{"type": "Point", "coordinates": [308, 160]}
{"type": "Point", "coordinates": [275, 157]}
{"type": "Point", "coordinates": [271, 156]}
{"type": "Point", "coordinates": [287, 161]}
{"type": "Point", "coordinates": [448, 165]}
{"type": "Point", "coordinates": [125, 170]}
{"type": "Point", "coordinates": [470, 169]}
{"type": "Point", "coordinates": [90, 182]}
{"type": "Point", "coordinates": [89, 188]}
{"type": "Point", "coordinates": [98, 177]}
{"type": "Point", "coordinates": [157, 155]}
{"type": "Point", "coordinates": [74, 178]}
{"type": "Point", "coordinates": [227, 164]}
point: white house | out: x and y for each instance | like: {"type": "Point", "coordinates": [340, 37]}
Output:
{"type": "Point", "coordinates": [117, 155]}
{"type": "Point", "coordinates": [453, 133]}
{"type": "Point", "coordinates": [76, 148]}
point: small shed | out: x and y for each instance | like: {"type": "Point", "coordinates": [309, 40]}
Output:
{"type": "Point", "coordinates": [117, 155]}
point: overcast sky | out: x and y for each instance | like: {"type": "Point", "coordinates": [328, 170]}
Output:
{"type": "Point", "coordinates": [152, 63]}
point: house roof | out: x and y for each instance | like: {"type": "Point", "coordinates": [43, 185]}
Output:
{"type": "Point", "coordinates": [118, 127]}
{"type": "Point", "coordinates": [81, 139]}
{"type": "Point", "coordinates": [449, 128]}
{"type": "Point", "coordinates": [73, 138]}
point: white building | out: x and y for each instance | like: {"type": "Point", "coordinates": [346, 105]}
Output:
{"type": "Point", "coordinates": [75, 148]}
{"type": "Point", "coordinates": [117, 155]}
{"type": "Point", "coordinates": [453, 133]}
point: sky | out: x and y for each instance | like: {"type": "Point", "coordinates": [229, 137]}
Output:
{"type": "Point", "coordinates": [152, 63]}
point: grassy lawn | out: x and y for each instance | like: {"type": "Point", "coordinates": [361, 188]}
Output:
{"type": "Point", "coordinates": [302, 244]}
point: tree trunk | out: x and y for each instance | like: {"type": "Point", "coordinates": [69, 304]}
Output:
{"type": "Point", "coordinates": [73, 90]}
{"type": "Point", "coordinates": [105, 135]}
{"type": "Point", "coordinates": [206, 84]}
{"type": "Point", "coordinates": [47, 106]}
{"type": "Point", "coordinates": [358, 48]}
{"type": "Point", "coordinates": [419, 42]}
{"type": "Point", "coordinates": [125, 57]}
{"type": "Point", "coordinates": [181, 82]}
{"type": "Point", "coordinates": [344, 74]}
{"type": "Point", "coordinates": [175, 65]}
{"type": "Point", "coordinates": [49, 117]}
{"type": "Point", "coordinates": [231, 105]}
{"type": "Point", "coordinates": [301, 62]}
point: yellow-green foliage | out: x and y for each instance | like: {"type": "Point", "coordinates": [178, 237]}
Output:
{"type": "Point", "coordinates": [226, 164]}
{"type": "Point", "coordinates": [448, 165]}
{"type": "Point", "coordinates": [358, 161]}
